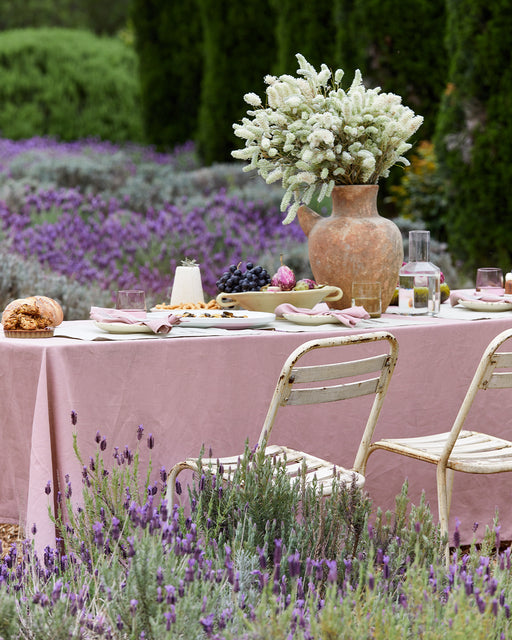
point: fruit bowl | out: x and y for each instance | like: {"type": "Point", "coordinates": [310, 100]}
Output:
{"type": "Point", "coordinates": [267, 301]}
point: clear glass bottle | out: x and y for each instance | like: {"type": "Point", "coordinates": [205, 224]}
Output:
{"type": "Point", "coordinates": [419, 280]}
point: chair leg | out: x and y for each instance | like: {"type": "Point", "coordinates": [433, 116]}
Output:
{"type": "Point", "coordinates": [362, 466]}
{"type": "Point", "coordinates": [450, 474]}
{"type": "Point", "coordinates": [443, 502]}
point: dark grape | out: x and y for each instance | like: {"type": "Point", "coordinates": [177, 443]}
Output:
{"type": "Point", "coordinates": [236, 280]}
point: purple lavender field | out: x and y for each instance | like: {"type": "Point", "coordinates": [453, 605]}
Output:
{"type": "Point", "coordinates": [110, 217]}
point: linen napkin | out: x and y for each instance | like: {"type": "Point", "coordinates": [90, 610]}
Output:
{"type": "Point", "coordinates": [161, 325]}
{"type": "Point", "coordinates": [482, 296]}
{"type": "Point", "coordinates": [349, 317]}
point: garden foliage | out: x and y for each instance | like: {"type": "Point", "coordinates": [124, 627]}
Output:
{"type": "Point", "coordinates": [69, 84]}
{"type": "Point", "coordinates": [109, 217]}
{"type": "Point", "coordinates": [398, 47]}
{"type": "Point", "coordinates": [474, 133]}
{"type": "Point", "coordinates": [96, 15]}
{"type": "Point", "coordinates": [305, 27]}
{"type": "Point", "coordinates": [169, 46]}
{"type": "Point", "coordinates": [128, 565]}
{"type": "Point", "coordinates": [80, 220]}
{"type": "Point", "coordinates": [239, 49]}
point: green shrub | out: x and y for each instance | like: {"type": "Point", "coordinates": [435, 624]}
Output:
{"type": "Point", "coordinates": [68, 84]}
{"type": "Point", "coordinates": [96, 15]}
{"type": "Point", "coordinates": [473, 139]}
{"type": "Point", "coordinates": [421, 194]}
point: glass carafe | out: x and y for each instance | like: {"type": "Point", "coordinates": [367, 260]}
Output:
{"type": "Point", "coordinates": [419, 290]}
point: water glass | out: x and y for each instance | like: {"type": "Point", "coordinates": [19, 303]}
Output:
{"type": "Point", "coordinates": [131, 300]}
{"type": "Point", "coordinates": [367, 295]}
{"type": "Point", "coordinates": [489, 279]}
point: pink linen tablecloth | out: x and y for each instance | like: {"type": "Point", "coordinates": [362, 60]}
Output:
{"type": "Point", "coordinates": [215, 390]}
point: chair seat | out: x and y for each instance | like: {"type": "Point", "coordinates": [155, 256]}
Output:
{"type": "Point", "coordinates": [473, 452]}
{"type": "Point", "coordinates": [322, 470]}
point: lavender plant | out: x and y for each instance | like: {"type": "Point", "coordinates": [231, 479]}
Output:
{"type": "Point", "coordinates": [97, 242]}
{"type": "Point", "coordinates": [71, 208]}
{"type": "Point", "coordinates": [132, 568]}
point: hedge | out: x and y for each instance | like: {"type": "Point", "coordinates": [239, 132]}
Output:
{"type": "Point", "coordinates": [69, 84]}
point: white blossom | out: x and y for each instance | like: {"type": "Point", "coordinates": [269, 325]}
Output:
{"type": "Point", "coordinates": [313, 135]}
{"type": "Point", "coordinates": [252, 99]}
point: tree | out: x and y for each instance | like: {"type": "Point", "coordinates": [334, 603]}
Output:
{"type": "Point", "coordinates": [474, 132]}
{"type": "Point", "coordinates": [398, 46]}
{"type": "Point", "coordinates": [169, 44]}
{"type": "Point", "coordinates": [307, 28]}
{"type": "Point", "coordinates": [239, 50]}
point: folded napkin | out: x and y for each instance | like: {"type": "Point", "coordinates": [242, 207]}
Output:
{"type": "Point", "coordinates": [349, 317]}
{"type": "Point", "coordinates": [160, 325]}
{"type": "Point", "coordinates": [482, 296]}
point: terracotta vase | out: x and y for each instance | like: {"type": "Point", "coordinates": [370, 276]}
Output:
{"type": "Point", "coordinates": [353, 244]}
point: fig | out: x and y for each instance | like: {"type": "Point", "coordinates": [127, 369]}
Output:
{"type": "Point", "coordinates": [283, 278]}
{"type": "Point", "coordinates": [305, 284]}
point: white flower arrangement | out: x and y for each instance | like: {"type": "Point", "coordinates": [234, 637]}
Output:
{"type": "Point", "coordinates": [313, 135]}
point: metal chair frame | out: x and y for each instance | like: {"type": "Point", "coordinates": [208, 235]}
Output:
{"type": "Point", "coordinates": [360, 377]}
{"type": "Point", "coordinates": [458, 449]}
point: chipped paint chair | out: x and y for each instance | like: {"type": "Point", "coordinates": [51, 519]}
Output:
{"type": "Point", "coordinates": [458, 449]}
{"type": "Point", "coordinates": [312, 384]}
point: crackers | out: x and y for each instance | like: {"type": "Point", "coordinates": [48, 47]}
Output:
{"type": "Point", "coordinates": [212, 304]}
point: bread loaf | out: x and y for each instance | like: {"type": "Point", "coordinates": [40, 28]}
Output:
{"type": "Point", "coordinates": [34, 312]}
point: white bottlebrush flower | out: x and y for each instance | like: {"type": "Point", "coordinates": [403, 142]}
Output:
{"type": "Point", "coordinates": [312, 129]}
{"type": "Point", "coordinates": [320, 137]}
{"type": "Point", "coordinates": [252, 99]}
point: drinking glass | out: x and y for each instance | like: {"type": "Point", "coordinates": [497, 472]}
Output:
{"type": "Point", "coordinates": [131, 300]}
{"type": "Point", "coordinates": [489, 279]}
{"type": "Point", "coordinates": [367, 295]}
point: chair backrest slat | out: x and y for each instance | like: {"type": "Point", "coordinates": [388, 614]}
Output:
{"type": "Point", "coordinates": [321, 372]}
{"type": "Point", "coordinates": [332, 393]}
{"type": "Point", "coordinates": [378, 370]}
{"type": "Point", "coordinates": [501, 380]}
{"type": "Point", "coordinates": [503, 359]}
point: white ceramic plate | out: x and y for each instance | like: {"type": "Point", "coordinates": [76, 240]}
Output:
{"type": "Point", "coordinates": [480, 305]}
{"type": "Point", "coordinates": [304, 318]}
{"type": "Point", "coordinates": [241, 319]}
{"type": "Point", "coordinates": [122, 327]}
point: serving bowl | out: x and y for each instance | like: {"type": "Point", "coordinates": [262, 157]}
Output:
{"type": "Point", "coordinates": [267, 301]}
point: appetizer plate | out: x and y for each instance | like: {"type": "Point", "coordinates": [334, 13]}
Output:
{"type": "Point", "coordinates": [212, 318]}
{"type": "Point", "coordinates": [122, 327]}
{"type": "Point", "coordinates": [304, 318]}
{"type": "Point", "coordinates": [480, 305]}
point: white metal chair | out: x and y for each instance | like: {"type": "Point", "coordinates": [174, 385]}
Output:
{"type": "Point", "coordinates": [333, 382]}
{"type": "Point", "coordinates": [457, 449]}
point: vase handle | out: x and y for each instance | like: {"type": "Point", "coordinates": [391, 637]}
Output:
{"type": "Point", "coordinates": [334, 293]}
